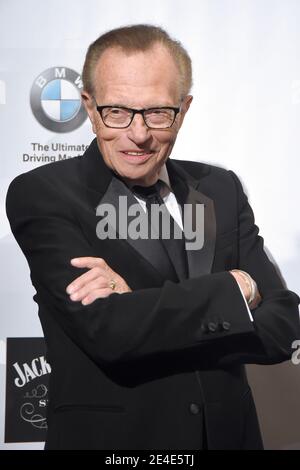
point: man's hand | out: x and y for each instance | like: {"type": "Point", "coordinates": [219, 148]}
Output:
{"type": "Point", "coordinates": [248, 286]}
{"type": "Point", "coordinates": [99, 282]}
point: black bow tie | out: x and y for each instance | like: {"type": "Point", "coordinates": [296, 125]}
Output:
{"type": "Point", "coordinates": [150, 194]}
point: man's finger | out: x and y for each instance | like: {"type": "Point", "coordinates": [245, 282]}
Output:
{"type": "Point", "coordinates": [97, 294]}
{"type": "Point", "coordinates": [99, 283]}
{"type": "Point", "coordinates": [87, 262]}
{"type": "Point", "coordinates": [80, 281]}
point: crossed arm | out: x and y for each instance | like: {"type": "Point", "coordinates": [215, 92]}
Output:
{"type": "Point", "coordinates": [161, 320]}
{"type": "Point", "coordinates": [94, 284]}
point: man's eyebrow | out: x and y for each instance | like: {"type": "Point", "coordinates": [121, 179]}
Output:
{"type": "Point", "coordinates": [151, 106]}
{"type": "Point", "coordinates": [119, 105]}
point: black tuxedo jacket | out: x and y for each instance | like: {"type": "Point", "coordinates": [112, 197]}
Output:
{"type": "Point", "coordinates": [161, 367]}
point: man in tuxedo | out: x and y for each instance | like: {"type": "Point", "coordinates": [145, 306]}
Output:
{"type": "Point", "coordinates": [147, 336]}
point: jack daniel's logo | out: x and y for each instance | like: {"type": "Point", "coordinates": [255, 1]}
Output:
{"type": "Point", "coordinates": [27, 372]}
{"type": "Point", "coordinates": [27, 377]}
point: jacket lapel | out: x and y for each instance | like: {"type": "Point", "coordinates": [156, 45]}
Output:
{"type": "Point", "coordinates": [187, 191]}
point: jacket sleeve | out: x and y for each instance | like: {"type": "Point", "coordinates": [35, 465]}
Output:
{"type": "Point", "coordinates": [276, 319]}
{"type": "Point", "coordinates": [162, 321]}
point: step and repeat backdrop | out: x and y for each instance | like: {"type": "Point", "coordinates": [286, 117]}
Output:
{"type": "Point", "coordinates": [245, 116]}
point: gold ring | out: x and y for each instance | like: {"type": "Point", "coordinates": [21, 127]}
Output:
{"type": "Point", "coordinates": [112, 284]}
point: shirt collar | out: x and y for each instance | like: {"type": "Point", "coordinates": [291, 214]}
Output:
{"type": "Point", "coordinates": [162, 175]}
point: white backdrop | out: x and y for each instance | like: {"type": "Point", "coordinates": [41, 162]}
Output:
{"type": "Point", "coordinates": [245, 116]}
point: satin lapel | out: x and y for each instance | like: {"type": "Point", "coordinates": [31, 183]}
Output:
{"type": "Point", "coordinates": [151, 249]}
{"type": "Point", "coordinates": [200, 261]}
{"type": "Point", "coordinates": [186, 190]}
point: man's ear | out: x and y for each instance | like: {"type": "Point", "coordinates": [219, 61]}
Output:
{"type": "Point", "coordinates": [186, 103]}
{"type": "Point", "coordinates": [89, 104]}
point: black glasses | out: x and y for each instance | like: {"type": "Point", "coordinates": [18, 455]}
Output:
{"type": "Point", "coordinates": [120, 117]}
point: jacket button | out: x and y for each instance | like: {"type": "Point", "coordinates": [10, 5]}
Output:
{"type": "Point", "coordinates": [212, 327]}
{"type": "Point", "coordinates": [194, 408]}
{"type": "Point", "coordinates": [226, 325]}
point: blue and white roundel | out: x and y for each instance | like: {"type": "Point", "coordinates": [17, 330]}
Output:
{"type": "Point", "coordinates": [55, 99]}
{"type": "Point", "coordinates": [60, 100]}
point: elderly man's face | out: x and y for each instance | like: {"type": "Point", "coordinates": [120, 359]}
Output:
{"type": "Point", "coordinates": [140, 80]}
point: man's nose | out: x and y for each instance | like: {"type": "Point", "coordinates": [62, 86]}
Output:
{"type": "Point", "coordinates": [138, 130]}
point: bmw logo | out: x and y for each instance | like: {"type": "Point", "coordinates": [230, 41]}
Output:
{"type": "Point", "coordinates": [55, 99]}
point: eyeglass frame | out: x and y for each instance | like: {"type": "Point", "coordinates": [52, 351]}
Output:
{"type": "Point", "coordinates": [138, 111]}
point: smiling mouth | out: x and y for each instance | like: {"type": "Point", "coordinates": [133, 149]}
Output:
{"type": "Point", "coordinates": [137, 156]}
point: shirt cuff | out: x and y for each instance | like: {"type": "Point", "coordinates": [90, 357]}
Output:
{"type": "Point", "coordinates": [246, 303]}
